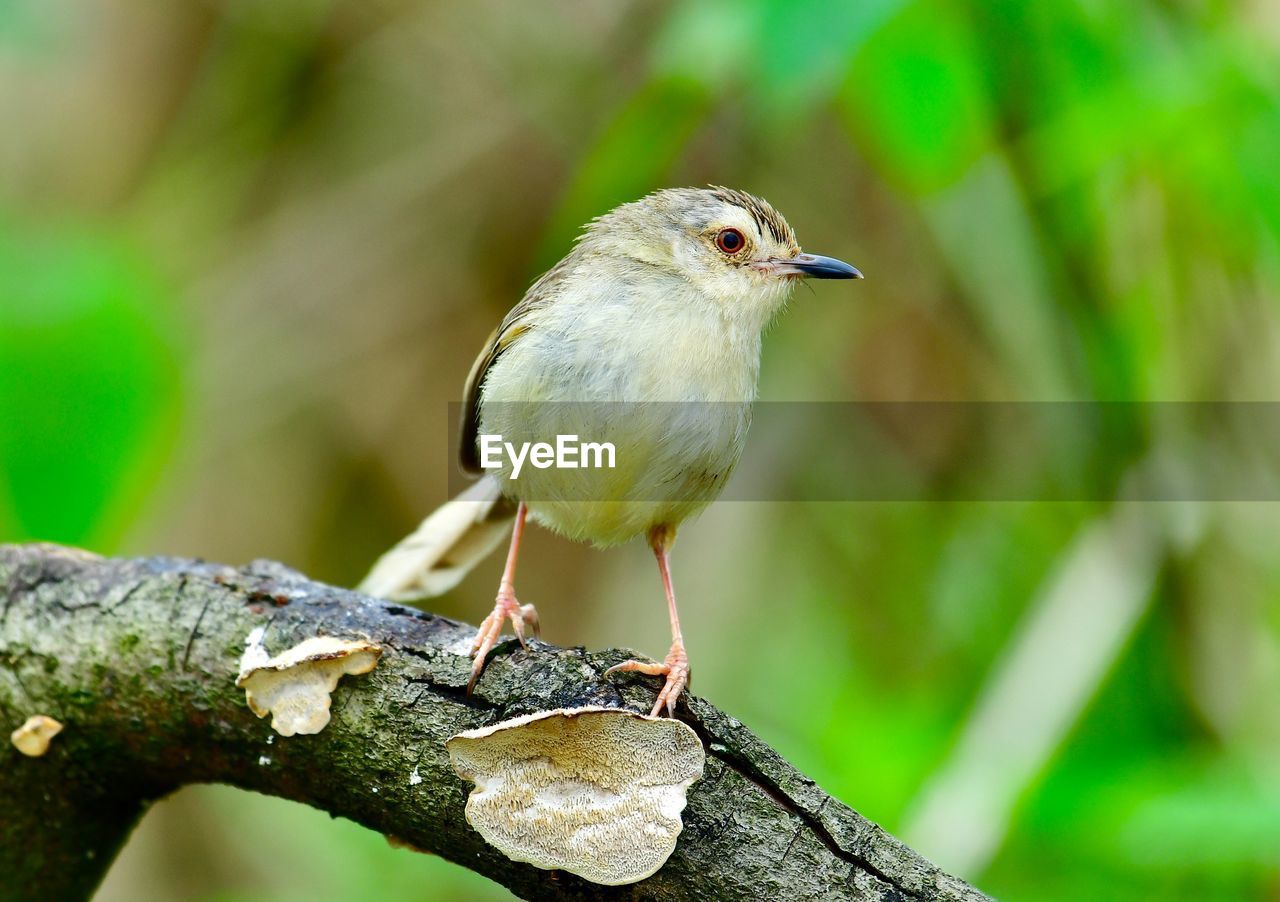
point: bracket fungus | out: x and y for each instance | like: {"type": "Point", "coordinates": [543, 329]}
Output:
{"type": "Point", "coordinates": [32, 738]}
{"type": "Point", "coordinates": [594, 791]}
{"type": "Point", "coordinates": [295, 685]}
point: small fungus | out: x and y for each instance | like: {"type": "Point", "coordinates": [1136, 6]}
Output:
{"type": "Point", "coordinates": [295, 685]}
{"type": "Point", "coordinates": [594, 791]}
{"type": "Point", "coordinates": [32, 738]}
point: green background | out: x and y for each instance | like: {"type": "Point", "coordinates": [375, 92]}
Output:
{"type": "Point", "coordinates": [248, 249]}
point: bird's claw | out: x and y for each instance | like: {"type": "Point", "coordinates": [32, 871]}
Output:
{"type": "Point", "coordinates": [505, 608]}
{"type": "Point", "coordinates": [675, 668]}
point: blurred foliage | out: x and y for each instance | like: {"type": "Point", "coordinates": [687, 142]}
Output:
{"type": "Point", "coordinates": [89, 385]}
{"type": "Point", "coordinates": [248, 248]}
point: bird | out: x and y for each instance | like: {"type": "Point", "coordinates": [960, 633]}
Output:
{"type": "Point", "coordinates": [646, 337]}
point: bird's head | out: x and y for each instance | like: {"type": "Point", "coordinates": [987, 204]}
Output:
{"type": "Point", "coordinates": [732, 246]}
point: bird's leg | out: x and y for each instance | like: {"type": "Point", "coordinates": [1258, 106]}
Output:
{"type": "Point", "coordinates": [676, 666]}
{"type": "Point", "coordinates": [504, 607]}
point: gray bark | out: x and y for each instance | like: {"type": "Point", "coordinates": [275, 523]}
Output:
{"type": "Point", "coordinates": [138, 658]}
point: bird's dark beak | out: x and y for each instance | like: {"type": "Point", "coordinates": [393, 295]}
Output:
{"type": "Point", "coordinates": [814, 266]}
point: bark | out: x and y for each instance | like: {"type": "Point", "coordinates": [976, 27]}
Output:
{"type": "Point", "coordinates": [138, 658]}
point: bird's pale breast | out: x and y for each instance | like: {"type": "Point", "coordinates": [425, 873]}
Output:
{"type": "Point", "coordinates": [657, 371]}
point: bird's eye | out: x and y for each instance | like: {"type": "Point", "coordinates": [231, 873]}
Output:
{"type": "Point", "coordinates": [730, 241]}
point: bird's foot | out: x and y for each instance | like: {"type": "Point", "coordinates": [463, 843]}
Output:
{"type": "Point", "coordinates": [505, 608]}
{"type": "Point", "coordinates": [675, 668]}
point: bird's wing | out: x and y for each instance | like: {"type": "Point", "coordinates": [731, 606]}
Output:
{"type": "Point", "coordinates": [514, 324]}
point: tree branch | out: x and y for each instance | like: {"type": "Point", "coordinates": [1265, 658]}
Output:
{"type": "Point", "coordinates": [138, 658]}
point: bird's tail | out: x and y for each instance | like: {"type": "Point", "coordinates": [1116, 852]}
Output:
{"type": "Point", "coordinates": [441, 551]}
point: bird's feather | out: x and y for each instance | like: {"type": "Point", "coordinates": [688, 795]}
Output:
{"type": "Point", "coordinates": [440, 552]}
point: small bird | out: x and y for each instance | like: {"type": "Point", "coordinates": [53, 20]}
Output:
{"type": "Point", "coordinates": [645, 336]}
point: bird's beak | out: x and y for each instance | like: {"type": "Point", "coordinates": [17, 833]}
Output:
{"type": "Point", "coordinates": [813, 266]}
